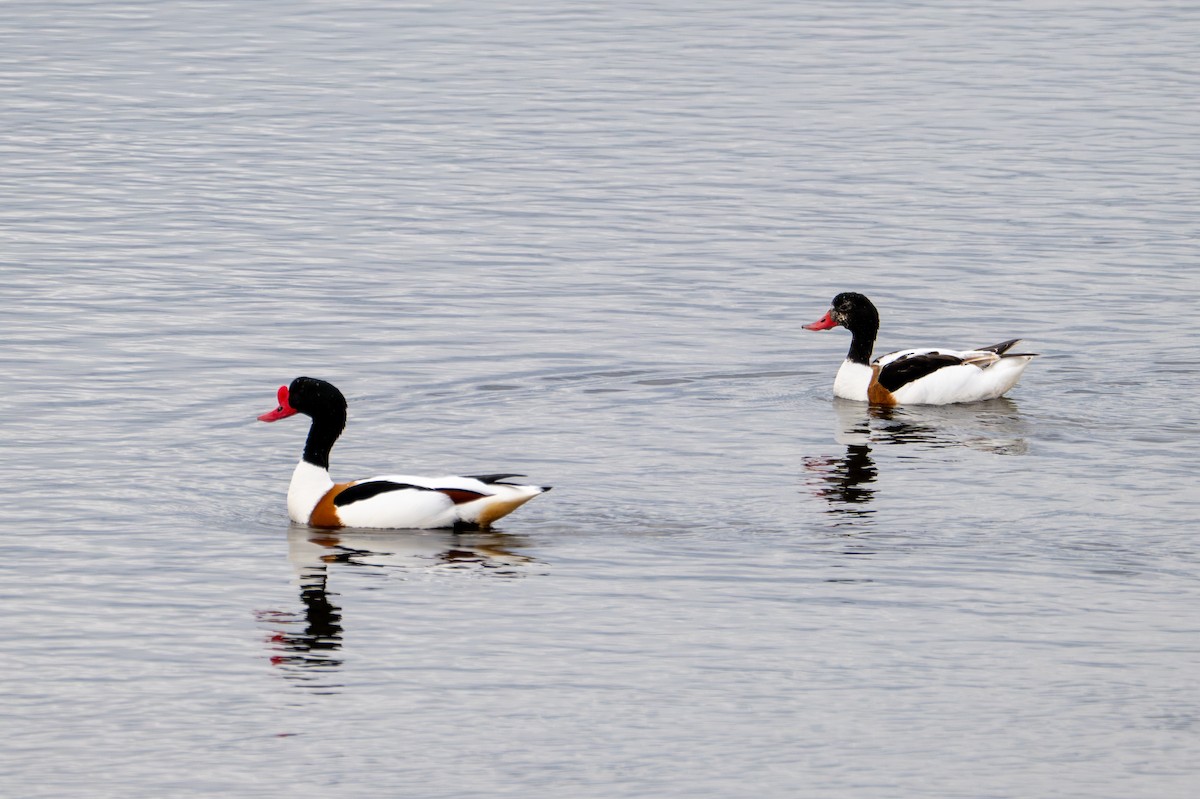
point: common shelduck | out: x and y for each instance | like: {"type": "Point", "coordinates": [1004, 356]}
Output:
{"type": "Point", "coordinates": [918, 376]}
{"type": "Point", "coordinates": [391, 501]}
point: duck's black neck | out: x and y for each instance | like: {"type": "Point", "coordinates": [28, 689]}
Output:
{"type": "Point", "coordinates": [322, 435]}
{"type": "Point", "coordinates": [862, 344]}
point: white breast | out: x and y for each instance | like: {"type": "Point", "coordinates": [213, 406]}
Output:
{"type": "Point", "coordinates": [309, 484]}
{"type": "Point", "coordinates": [852, 381]}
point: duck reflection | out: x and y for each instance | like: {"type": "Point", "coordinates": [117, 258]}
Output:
{"type": "Point", "coordinates": [846, 481]}
{"type": "Point", "coordinates": [307, 645]}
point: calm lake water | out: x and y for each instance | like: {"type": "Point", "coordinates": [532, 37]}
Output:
{"type": "Point", "coordinates": [578, 241]}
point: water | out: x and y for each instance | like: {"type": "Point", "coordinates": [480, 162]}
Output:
{"type": "Point", "coordinates": [579, 242]}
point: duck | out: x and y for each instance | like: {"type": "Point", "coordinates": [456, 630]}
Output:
{"type": "Point", "coordinates": [930, 376]}
{"type": "Point", "coordinates": [394, 501]}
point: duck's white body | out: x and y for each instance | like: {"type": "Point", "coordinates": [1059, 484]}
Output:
{"type": "Point", "coordinates": [982, 375]}
{"type": "Point", "coordinates": [930, 376]}
{"type": "Point", "coordinates": [406, 501]}
{"type": "Point", "coordinates": [394, 501]}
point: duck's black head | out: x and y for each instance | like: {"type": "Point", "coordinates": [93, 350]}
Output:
{"type": "Point", "coordinates": [314, 397]}
{"type": "Point", "coordinates": [319, 400]}
{"type": "Point", "coordinates": [852, 311]}
{"type": "Point", "coordinates": [857, 314]}
{"type": "Point", "coordinates": [310, 396]}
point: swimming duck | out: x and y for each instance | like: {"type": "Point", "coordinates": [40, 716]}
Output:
{"type": "Point", "coordinates": [932, 376]}
{"type": "Point", "coordinates": [392, 501]}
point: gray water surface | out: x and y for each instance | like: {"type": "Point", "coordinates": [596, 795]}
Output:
{"type": "Point", "coordinates": [579, 241]}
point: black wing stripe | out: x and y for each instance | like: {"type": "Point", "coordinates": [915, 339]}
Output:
{"type": "Point", "coordinates": [371, 488]}
{"type": "Point", "coordinates": [905, 370]}
{"type": "Point", "coordinates": [491, 478]}
{"type": "Point", "coordinates": [1001, 348]}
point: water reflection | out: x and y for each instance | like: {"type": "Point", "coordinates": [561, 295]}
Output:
{"type": "Point", "coordinates": [307, 646]}
{"type": "Point", "coordinates": [846, 481]}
